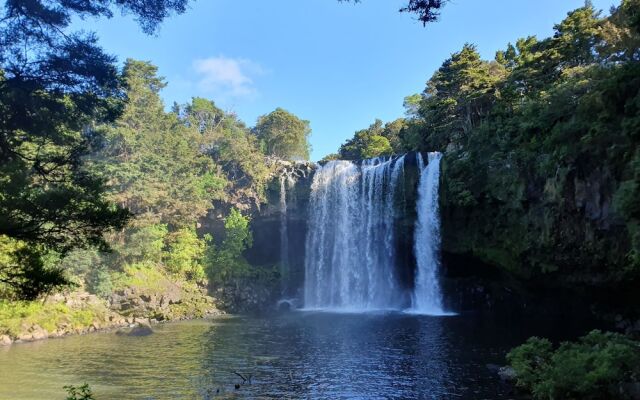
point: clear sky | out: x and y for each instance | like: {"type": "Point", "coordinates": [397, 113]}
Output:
{"type": "Point", "coordinates": [338, 65]}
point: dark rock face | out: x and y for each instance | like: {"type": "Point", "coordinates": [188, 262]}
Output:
{"type": "Point", "coordinates": [250, 296]}
{"type": "Point", "coordinates": [169, 302]}
{"type": "Point", "coordinates": [266, 225]}
{"type": "Point", "coordinates": [525, 239]}
{"type": "Point", "coordinates": [556, 236]}
{"type": "Point", "coordinates": [405, 204]}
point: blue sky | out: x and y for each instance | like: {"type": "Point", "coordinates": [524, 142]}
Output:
{"type": "Point", "coordinates": [337, 65]}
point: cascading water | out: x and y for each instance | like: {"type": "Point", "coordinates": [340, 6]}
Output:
{"type": "Point", "coordinates": [350, 250]}
{"type": "Point", "coordinates": [284, 234]}
{"type": "Point", "coordinates": [427, 298]}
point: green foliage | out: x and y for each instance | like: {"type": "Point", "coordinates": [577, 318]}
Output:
{"type": "Point", "coordinates": [27, 270]}
{"type": "Point", "coordinates": [530, 359]}
{"type": "Point", "coordinates": [142, 276]}
{"type": "Point", "coordinates": [234, 149]}
{"type": "Point", "coordinates": [185, 254]}
{"type": "Point", "coordinates": [225, 262]}
{"type": "Point", "coordinates": [369, 143]}
{"type": "Point", "coordinates": [55, 85]}
{"type": "Point", "coordinates": [539, 143]}
{"type": "Point", "coordinates": [284, 135]}
{"type": "Point", "coordinates": [99, 281]}
{"type": "Point", "coordinates": [154, 164]}
{"type": "Point", "coordinates": [143, 243]}
{"type": "Point", "coordinates": [15, 315]}
{"type": "Point", "coordinates": [591, 368]}
{"type": "Point", "coordinates": [330, 157]}
{"type": "Point", "coordinates": [82, 392]}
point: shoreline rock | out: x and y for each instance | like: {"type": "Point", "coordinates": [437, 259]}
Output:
{"type": "Point", "coordinates": [187, 306]}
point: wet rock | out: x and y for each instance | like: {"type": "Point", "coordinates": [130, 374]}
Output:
{"type": "Point", "coordinates": [38, 333]}
{"type": "Point", "coordinates": [507, 374]}
{"type": "Point", "coordinates": [142, 329]}
{"type": "Point", "coordinates": [5, 340]}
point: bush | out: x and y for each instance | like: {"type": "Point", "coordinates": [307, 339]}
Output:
{"type": "Point", "coordinates": [593, 367]}
{"type": "Point", "coordinates": [185, 253]}
{"type": "Point", "coordinates": [143, 243]}
{"type": "Point", "coordinates": [225, 262]}
{"type": "Point", "coordinates": [99, 282]}
{"type": "Point", "coordinates": [79, 393]}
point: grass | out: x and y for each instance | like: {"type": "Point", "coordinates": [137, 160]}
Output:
{"type": "Point", "coordinates": [18, 316]}
{"type": "Point", "coordinates": [141, 276]}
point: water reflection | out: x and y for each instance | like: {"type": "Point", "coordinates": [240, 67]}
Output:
{"type": "Point", "coordinates": [296, 355]}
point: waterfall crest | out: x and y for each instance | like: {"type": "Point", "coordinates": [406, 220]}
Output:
{"type": "Point", "coordinates": [427, 298]}
{"type": "Point", "coordinates": [350, 248]}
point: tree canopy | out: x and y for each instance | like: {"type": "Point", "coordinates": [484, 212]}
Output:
{"type": "Point", "coordinates": [154, 164]}
{"type": "Point", "coordinates": [55, 86]}
{"type": "Point", "coordinates": [284, 135]}
{"type": "Point", "coordinates": [525, 134]}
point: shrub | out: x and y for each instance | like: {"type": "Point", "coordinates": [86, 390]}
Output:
{"type": "Point", "coordinates": [593, 367]}
{"type": "Point", "coordinates": [99, 282]}
{"type": "Point", "coordinates": [79, 393]}
{"type": "Point", "coordinates": [225, 262]}
{"type": "Point", "coordinates": [185, 253]}
{"type": "Point", "coordinates": [143, 243]}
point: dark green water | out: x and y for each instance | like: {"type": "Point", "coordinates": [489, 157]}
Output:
{"type": "Point", "coordinates": [296, 355]}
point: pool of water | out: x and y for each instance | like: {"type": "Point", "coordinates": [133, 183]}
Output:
{"type": "Point", "coordinates": [292, 355]}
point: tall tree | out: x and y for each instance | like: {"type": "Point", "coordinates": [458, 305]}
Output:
{"type": "Point", "coordinates": [232, 147]}
{"type": "Point", "coordinates": [457, 96]}
{"type": "Point", "coordinates": [284, 135]}
{"type": "Point", "coordinates": [54, 86]}
{"type": "Point", "coordinates": [156, 165]}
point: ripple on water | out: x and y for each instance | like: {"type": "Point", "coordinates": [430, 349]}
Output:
{"type": "Point", "coordinates": [293, 355]}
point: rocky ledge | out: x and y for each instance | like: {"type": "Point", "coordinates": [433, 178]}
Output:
{"type": "Point", "coordinates": [79, 313]}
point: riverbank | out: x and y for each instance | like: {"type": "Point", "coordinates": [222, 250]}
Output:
{"type": "Point", "coordinates": [79, 313]}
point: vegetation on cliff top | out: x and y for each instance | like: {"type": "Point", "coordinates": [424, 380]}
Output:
{"type": "Point", "coordinates": [541, 173]}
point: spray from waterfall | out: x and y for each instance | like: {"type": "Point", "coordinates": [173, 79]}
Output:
{"type": "Point", "coordinates": [350, 251]}
{"type": "Point", "coordinates": [427, 297]}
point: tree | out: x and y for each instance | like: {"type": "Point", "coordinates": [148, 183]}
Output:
{"type": "Point", "coordinates": [156, 165]}
{"type": "Point", "coordinates": [458, 95]}
{"type": "Point", "coordinates": [284, 135]}
{"type": "Point", "coordinates": [426, 10]}
{"type": "Point", "coordinates": [367, 143]}
{"type": "Point", "coordinates": [225, 262]}
{"type": "Point", "coordinates": [54, 86]}
{"type": "Point", "coordinates": [233, 148]}
{"type": "Point", "coordinates": [578, 35]}
{"type": "Point", "coordinates": [524, 131]}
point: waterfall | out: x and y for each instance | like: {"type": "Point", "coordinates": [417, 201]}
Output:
{"type": "Point", "coordinates": [284, 234]}
{"type": "Point", "coordinates": [427, 298]}
{"type": "Point", "coordinates": [350, 250]}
